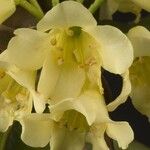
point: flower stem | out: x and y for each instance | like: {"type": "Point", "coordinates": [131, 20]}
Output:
{"type": "Point", "coordinates": [36, 4]}
{"type": "Point", "coordinates": [55, 2]}
{"type": "Point", "coordinates": [31, 8]}
{"type": "Point", "coordinates": [95, 5]}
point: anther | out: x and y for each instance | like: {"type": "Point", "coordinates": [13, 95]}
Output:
{"type": "Point", "coordinates": [2, 74]}
{"type": "Point", "coordinates": [60, 61]}
{"type": "Point", "coordinates": [82, 65]}
{"type": "Point", "coordinates": [91, 61]}
{"type": "Point", "coordinates": [77, 56]}
{"type": "Point", "coordinates": [69, 32]}
{"type": "Point", "coordinates": [20, 97]}
{"type": "Point", "coordinates": [53, 41]}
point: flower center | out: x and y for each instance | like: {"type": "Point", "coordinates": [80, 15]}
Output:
{"type": "Point", "coordinates": [75, 46]}
{"type": "Point", "coordinates": [74, 120]}
{"type": "Point", "coordinates": [139, 71]}
{"type": "Point", "coordinates": [13, 95]}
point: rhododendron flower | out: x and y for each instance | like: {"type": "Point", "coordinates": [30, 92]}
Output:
{"type": "Point", "coordinates": [140, 70]}
{"type": "Point", "coordinates": [133, 6]}
{"type": "Point", "coordinates": [73, 122]}
{"type": "Point", "coordinates": [7, 8]}
{"type": "Point", "coordinates": [68, 49]}
{"type": "Point", "coordinates": [71, 49]}
{"type": "Point", "coordinates": [15, 98]}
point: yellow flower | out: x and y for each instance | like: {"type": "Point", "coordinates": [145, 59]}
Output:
{"type": "Point", "coordinates": [140, 70]}
{"type": "Point", "coordinates": [15, 98]}
{"type": "Point", "coordinates": [70, 48]}
{"type": "Point", "coordinates": [73, 122]}
{"type": "Point", "coordinates": [133, 6]}
{"type": "Point", "coordinates": [7, 8]}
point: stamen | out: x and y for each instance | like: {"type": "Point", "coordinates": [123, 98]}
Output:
{"type": "Point", "coordinates": [20, 97]}
{"type": "Point", "coordinates": [2, 74]}
{"type": "Point", "coordinates": [53, 41]}
{"type": "Point", "coordinates": [60, 61]}
{"type": "Point", "coordinates": [77, 56]}
{"type": "Point", "coordinates": [69, 32]}
{"type": "Point", "coordinates": [81, 65]}
{"type": "Point", "coordinates": [91, 61]}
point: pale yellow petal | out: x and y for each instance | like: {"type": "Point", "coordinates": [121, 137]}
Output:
{"type": "Point", "coordinates": [27, 49]}
{"type": "Point", "coordinates": [90, 104]}
{"type": "Point", "coordinates": [96, 137]}
{"type": "Point", "coordinates": [6, 120]}
{"type": "Point", "coordinates": [115, 49]}
{"type": "Point", "coordinates": [145, 4]}
{"type": "Point", "coordinates": [121, 132]}
{"type": "Point", "coordinates": [39, 101]}
{"type": "Point", "coordinates": [64, 139]}
{"type": "Point", "coordinates": [49, 75]}
{"type": "Point", "coordinates": [126, 6]}
{"type": "Point", "coordinates": [67, 14]}
{"type": "Point", "coordinates": [23, 77]}
{"type": "Point", "coordinates": [4, 82]}
{"type": "Point", "coordinates": [126, 89]}
{"type": "Point", "coordinates": [141, 99]}
{"type": "Point", "coordinates": [140, 39]}
{"type": "Point", "coordinates": [36, 129]}
{"type": "Point", "coordinates": [99, 143]}
{"type": "Point", "coordinates": [140, 94]}
{"type": "Point", "coordinates": [4, 65]}
{"type": "Point", "coordinates": [70, 82]}
{"type": "Point", "coordinates": [7, 8]}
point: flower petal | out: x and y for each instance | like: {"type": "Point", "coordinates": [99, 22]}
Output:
{"type": "Point", "coordinates": [64, 139]}
{"type": "Point", "coordinates": [6, 120]}
{"type": "Point", "coordinates": [23, 77]}
{"type": "Point", "coordinates": [7, 8]}
{"type": "Point", "coordinates": [115, 48]}
{"type": "Point", "coordinates": [96, 137]}
{"type": "Point", "coordinates": [140, 39]}
{"type": "Point", "coordinates": [27, 49]}
{"type": "Point", "coordinates": [60, 82]}
{"type": "Point", "coordinates": [121, 132]}
{"type": "Point", "coordinates": [39, 101]}
{"type": "Point", "coordinates": [36, 130]}
{"type": "Point", "coordinates": [140, 94]}
{"type": "Point", "coordinates": [90, 104]}
{"type": "Point", "coordinates": [67, 14]}
{"type": "Point", "coordinates": [49, 75]}
{"type": "Point", "coordinates": [4, 82]}
{"type": "Point", "coordinates": [145, 4]}
{"type": "Point", "coordinates": [70, 83]}
{"type": "Point", "coordinates": [141, 99]}
{"type": "Point", "coordinates": [126, 89]}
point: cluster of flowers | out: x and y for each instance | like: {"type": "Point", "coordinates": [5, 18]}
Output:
{"type": "Point", "coordinates": [58, 66]}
